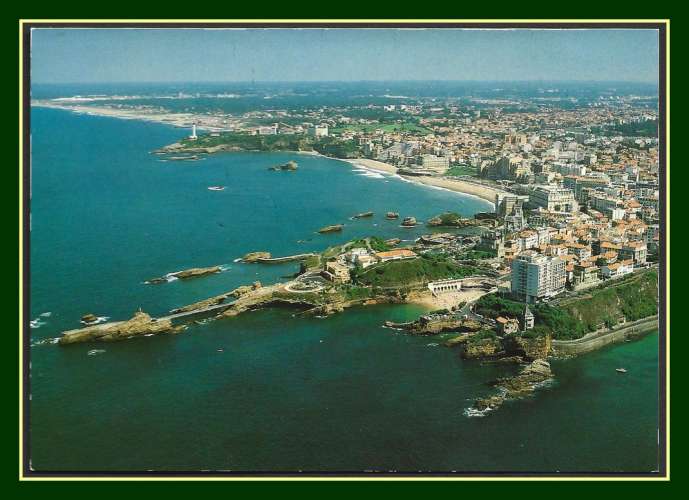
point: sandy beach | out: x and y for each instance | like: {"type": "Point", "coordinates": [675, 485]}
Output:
{"type": "Point", "coordinates": [460, 186]}
{"type": "Point", "coordinates": [373, 165]}
{"type": "Point", "coordinates": [484, 192]}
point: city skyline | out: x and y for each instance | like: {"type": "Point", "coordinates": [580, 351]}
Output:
{"type": "Point", "coordinates": [344, 55]}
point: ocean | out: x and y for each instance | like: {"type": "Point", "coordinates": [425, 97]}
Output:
{"type": "Point", "coordinates": [285, 393]}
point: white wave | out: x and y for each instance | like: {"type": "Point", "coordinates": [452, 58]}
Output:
{"type": "Point", "coordinates": [46, 314]}
{"type": "Point", "coordinates": [98, 320]}
{"type": "Point", "coordinates": [474, 413]}
{"type": "Point", "coordinates": [49, 340]}
{"type": "Point", "coordinates": [372, 175]}
{"type": "Point", "coordinates": [36, 323]}
{"type": "Point", "coordinates": [432, 344]}
{"type": "Point", "coordinates": [95, 352]}
{"type": "Point", "coordinates": [224, 268]}
{"type": "Point", "coordinates": [169, 277]}
{"type": "Point", "coordinates": [239, 259]}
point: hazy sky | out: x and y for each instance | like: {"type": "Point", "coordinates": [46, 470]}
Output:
{"type": "Point", "coordinates": [188, 55]}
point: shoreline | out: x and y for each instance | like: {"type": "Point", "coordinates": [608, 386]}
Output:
{"type": "Point", "coordinates": [185, 120]}
{"type": "Point", "coordinates": [485, 193]}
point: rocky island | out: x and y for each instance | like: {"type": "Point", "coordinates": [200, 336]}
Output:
{"type": "Point", "coordinates": [139, 325]}
{"type": "Point", "coordinates": [290, 166]}
{"type": "Point", "coordinates": [335, 228]}
{"type": "Point", "coordinates": [195, 272]}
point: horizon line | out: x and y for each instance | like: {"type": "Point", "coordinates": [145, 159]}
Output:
{"type": "Point", "coordinates": [645, 82]}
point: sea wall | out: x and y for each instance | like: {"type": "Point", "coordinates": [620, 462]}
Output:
{"type": "Point", "coordinates": [596, 340]}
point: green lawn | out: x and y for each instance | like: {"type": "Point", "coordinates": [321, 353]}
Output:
{"type": "Point", "coordinates": [386, 127]}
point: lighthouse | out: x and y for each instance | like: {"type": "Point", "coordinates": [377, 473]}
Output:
{"type": "Point", "coordinates": [193, 132]}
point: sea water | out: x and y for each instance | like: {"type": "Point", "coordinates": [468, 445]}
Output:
{"type": "Point", "coordinates": [268, 391]}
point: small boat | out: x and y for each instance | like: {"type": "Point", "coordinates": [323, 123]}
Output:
{"type": "Point", "coordinates": [216, 188]}
{"type": "Point", "coordinates": [620, 370]}
{"type": "Point", "coordinates": [221, 350]}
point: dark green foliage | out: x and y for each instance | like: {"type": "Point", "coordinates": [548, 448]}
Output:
{"type": "Point", "coordinates": [634, 299]}
{"type": "Point", "coordinates": [378, 244]}
{"type": "Point", "coordinates": [407, 273]}
{"type": "Point", "coordinates": [357, 293]}
{"type": "Point", "coordinates": [477, 255]}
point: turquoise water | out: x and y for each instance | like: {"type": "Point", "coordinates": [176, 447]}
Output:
{"type": "Point", "coordinates": [286, 393]}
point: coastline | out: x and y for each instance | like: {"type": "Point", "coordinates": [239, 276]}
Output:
{"type": "Point", "coordinates": [185, 120]}
{"type": "Point", "coordinates": [486, 193]}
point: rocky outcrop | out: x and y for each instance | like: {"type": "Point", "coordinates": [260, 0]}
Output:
{"type": "Point", "coordinates": [434, 324]}
{"type": "Point", "coordinates": [409, 222]}
{"type": "Point", "coordinates": [363, 215]}
{"type": "Point", "coordinates": [331, 229]}
{"type": "Point", "coordinates": [519, 386]}
{"type": "Point", "coordinates": [393, 242]}
{"type": "Point", "coordinates": [528, 348]}
{"type": "Point", "coordinates": [392, 215]}
{"type": "Point", "coordinates": [290, 166]}
{"type": "Point", "coordinates": [483, 348]}
{"type": "Point", "coordinates": [140, 324]}
{"type": "Point", "coordinates": [194, 272]}
{"type": "Point", "coordinates": [255, 256]}
{"type": "Point", "coordinates": [458, 340]}
{"type": "Point", "coordinates": [89, 318]}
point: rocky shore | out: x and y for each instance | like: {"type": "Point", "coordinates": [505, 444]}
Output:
{"type": "Point", "coordinates": [521, 385]}
{"type": "Point", "coordinates": [140, 324]}
{"type": "Point", "coordinates": [433, 325]}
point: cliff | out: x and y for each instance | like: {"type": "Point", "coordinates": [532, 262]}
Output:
{"type": "Point", "coordinates": [140, 324]}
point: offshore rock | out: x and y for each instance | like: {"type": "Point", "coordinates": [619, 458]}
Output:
{"type": "Point", "coordinates": [517, 387]}
{"type": "Point", "coordinates": [255, 256]}
{"type": "Point", "coordinates": [331, 229]}
{"type": "Point", "coordinates": [140, 324]}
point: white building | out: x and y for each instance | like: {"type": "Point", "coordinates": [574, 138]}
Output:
{"type": "Point", "coordinates": [535, 276]}
{"type": "Point", "coordinates": [432, 162]}
{"type": "Point", "coordinates": [320, 131]}
{"type": "Point", "coordinates": [554, 199]}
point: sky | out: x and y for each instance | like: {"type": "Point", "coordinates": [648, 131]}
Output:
{"type": "Point", "coordinates": [68, 55]}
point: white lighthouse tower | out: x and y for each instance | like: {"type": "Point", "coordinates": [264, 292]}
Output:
{"type": "Point", "coordinates": [193, 135]}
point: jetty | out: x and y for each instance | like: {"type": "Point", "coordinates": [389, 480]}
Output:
{"type": "Point", "coordinates": [288, 258]}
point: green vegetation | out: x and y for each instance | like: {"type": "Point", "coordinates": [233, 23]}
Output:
{"type": "Point", "coordinates": [449, 219]}
{"type": "Point", "coordinates": [254, 142]}
{"type": "Point", "coordinates": [459, 170]}
{"type": "Point", "coordinates": [648, 128]}
{"type": "Point", "coordinates": [549, 320]}
{"type": "Point", "coordinates": [354, 292]}
{"type": "Point", "coordinates": [484, 336]}
{"type": "Point", "coordinates": [378, 244]}
{"type": "Point", "coordinates": [634, 298]}
{"type": "Point", "coordinates": [312, 262]}
{"type": "Point", "coordinates": [477, 255]}
{"type": "Point", "coordinates": [386, 127]}
{"type": "Point", "coordinates": [330, 146]}
{"type": "Point", "coordinates": [412, 272]}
